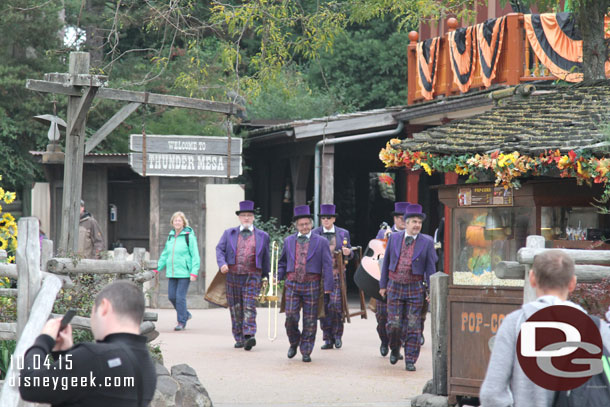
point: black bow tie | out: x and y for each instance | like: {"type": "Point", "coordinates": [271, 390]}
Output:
{"type": "Point", "coordinates": [246, 232]}
{"type": "Point", "coordinates": [409, 240]}
{"type": "Point", "coordinates": [302, 239]}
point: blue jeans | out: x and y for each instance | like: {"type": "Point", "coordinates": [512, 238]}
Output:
{"type": "Point", "coordinates": [176, 294]}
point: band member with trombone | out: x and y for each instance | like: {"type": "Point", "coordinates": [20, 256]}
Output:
{"type": "Point", "coordinates": [338, 239]}
{"type": "Point", "coordinates": [409, 261]}
{"type": "Point", "coordinates": [243, 255]}
{"type": "Point", "coordinates": [381, 308]}
{"type": "Point", "coordinates": [305, 263]}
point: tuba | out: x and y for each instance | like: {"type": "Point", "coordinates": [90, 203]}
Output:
{"type": "Point", "coordinates": [270, 293]}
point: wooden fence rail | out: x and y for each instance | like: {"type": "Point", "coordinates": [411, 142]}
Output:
{"type": "Point", "coordinates": [591, 265]}
{"type": "Point", "coordinates": [40, 277]}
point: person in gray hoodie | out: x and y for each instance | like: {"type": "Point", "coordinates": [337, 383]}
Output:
{"type": "Point", "coordinates": [505, 384]}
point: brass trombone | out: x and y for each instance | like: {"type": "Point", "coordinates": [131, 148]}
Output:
{"type": "Point", "coordinates": [270, 294]}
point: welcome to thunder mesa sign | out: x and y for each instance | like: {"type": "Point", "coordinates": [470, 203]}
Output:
{"type": "Point", "coordinates": [185, 156]}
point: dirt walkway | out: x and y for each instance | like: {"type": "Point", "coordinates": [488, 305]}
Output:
{"type": "Point", "coordinates": [355, 376]}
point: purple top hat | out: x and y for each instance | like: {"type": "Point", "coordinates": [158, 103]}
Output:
{"type": "Point", "coordinates": [400, 208]}
{"type": "Point", "coordinates": [328, 210]}
{"type": "Point", "coordinates": [414, 210]}
{"type": "Point", "coordinates": [302, 211]}
{"type": "Point", "coordinates": [245, 206]}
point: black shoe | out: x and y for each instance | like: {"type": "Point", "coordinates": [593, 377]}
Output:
{"type": "Point", "coordinates": [338, 343]}
{"type": "Point", "coordinates": [410, 367]}
{"type": "Point", "coordinates": [422, 340]}
{"type": "Point", "coordinates": [394, 356]}
{"type": "Point", "coordinates": [250, 343]}
{"type": "Point", "coordinates": [327, 345]}
{"type": "Point", "coordinates": [306, 358]}
{"type": "Point", "coordinates": [383, 349]}
{"type": "Point", "coordinates": [238, 345]}
{"type": "Point", "coordinates": [292, 351]}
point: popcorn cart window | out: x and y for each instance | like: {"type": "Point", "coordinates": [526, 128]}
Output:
{"type": "Point", "coordinates": [483, 237]}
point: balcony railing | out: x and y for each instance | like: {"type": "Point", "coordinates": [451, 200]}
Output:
{"type": "Point", "coordinates": [512, 68]}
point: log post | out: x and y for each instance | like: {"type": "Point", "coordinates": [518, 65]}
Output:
{"type": "Point", "coordinates": [412, 67]}
{"type": "Point", "coordinates": [28, 269]}
{"type": "Point", "coordinates": [47, 253]}
{"type": "Point", "coordinates": [73, 165]}
{"type": "Point", "coordinates": [138, 256]}
{"type": "Point", "coordinates": [120, 254]}
{"type": "Point", "coordinates": [529, 293]}
{"type": "Point", "coordinates": [439, 290]}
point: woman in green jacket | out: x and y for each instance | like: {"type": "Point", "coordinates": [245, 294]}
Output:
{"type": "Point", "coordinates": [180, 258]}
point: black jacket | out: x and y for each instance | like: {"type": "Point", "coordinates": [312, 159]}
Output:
{"type": "Point", "coordinates": [89, 374]}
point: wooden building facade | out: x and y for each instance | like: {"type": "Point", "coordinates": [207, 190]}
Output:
{"type": "Point", "coordinates": [142, 206]}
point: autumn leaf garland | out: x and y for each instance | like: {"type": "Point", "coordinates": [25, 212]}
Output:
{"type": "Point", "coordinates": [507, 168]}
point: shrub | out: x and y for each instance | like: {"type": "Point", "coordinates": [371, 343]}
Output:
{"type": "Point", "coordinates": [7, 348]}
{"type": "Point", "coordinates": [593, 297]}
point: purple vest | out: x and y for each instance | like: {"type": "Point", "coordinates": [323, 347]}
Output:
{"type": "Point", "coordinates": [245, 259]}
{"type": "Point", "coordinates": [300, 265]}
{"type": "Point", "coordinates": [403, 274]}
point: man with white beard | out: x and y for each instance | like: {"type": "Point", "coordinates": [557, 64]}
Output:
{"type": "Point", "coordinates": [243, 255]}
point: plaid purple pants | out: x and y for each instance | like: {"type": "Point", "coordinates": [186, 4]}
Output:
{"type": "Point", "coordinates": [405, 303]}
{"type": "Point", "coordinates": [332, 323]}
{"type": "Point", "coordinates": [302, 295]}
{"type": "Point", "coordinates": [381, 314]}
{"type": "Point", "coordinates": [242, 290]}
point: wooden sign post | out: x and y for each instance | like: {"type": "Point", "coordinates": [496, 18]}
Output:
{"type": "Point", "coordinates": [81, 89]}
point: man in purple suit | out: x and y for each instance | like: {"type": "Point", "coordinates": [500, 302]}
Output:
{"type": "Point", "coordinates": [381, 308]}
{"type": "Point", "coordinates": [338, 238]}
{"type": "Point", "coordinates": [243, 255]}
{"type": "Point", "coordinates": [409, 261]}
{"type": "Point", "coordinates": [305, 263]}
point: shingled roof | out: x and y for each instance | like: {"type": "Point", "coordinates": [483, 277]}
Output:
{"type": "Point", "coordinates": [565, 118]}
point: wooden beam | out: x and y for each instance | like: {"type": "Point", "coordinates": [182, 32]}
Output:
{"type": "Point", "coordinates": [51, 87]}
{"type": "Point", "coordinates": [110, 125]}
{"type": "Point", "coordinates": [510, 270]}
{"type": "Point", "coordinates": [88, 266]}
{"type": "Point", "coordinates": [81, 111]}
{"type": "Point", "coordinates": [138, 97]}
{"type": "Point", "coordinates": [8, 270]}
{"type": "Point", "coordinates": [169, 100]}
{"type": "Point", "coordinates": [8, 331]}
{"type": "Point", "coordinates": [65, 79]}
{"type": "Point", "coordinates": [28, 269]}
{"type": "Point", "coordinates": [8, 292]}
{"type": "Point", "coordinates": [73, 167]}
{"type": "Point", "coordinates": [526, 255]}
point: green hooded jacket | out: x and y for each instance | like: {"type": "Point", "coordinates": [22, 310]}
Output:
{"type": "Point", "coordinates": [182, 261]}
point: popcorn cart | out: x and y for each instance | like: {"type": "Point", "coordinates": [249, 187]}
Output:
{"type": "Point", "coordinates": [488, 225]}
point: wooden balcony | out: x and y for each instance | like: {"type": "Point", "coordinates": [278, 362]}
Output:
{"type": "Point", "coordinates": [511, 70]}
